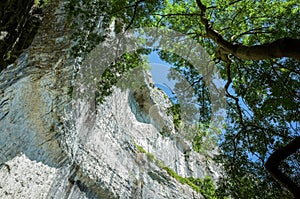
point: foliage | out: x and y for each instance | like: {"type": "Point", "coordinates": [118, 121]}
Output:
{"type": "Point", "coordinates": [206, 186]}
{"type": "Point", "coordinates": [204, 140]}
{"type": "Point", "coordinates": [140, 149]}
{"type": "Point", "coordinates": [194, 100]}
{"type": "Point", "coordinates": [89, 23]}
{"type": "Point", "coordinates": [174, 110]}
{"type": "Point", "coordinates": [41, 3]}
{"type": "Point", "coordinates": [118, 73]}
{"type": "Point", "coordinates": [192, 94]}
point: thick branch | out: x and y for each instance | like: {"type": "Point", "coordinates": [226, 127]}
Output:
{"type": "Point", "coordinates": [274, 160]}
{"type": "Point", "coordinates": [285, 47]}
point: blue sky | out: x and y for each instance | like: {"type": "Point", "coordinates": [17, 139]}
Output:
{"type": "Point", "coordinates": [159, 71]}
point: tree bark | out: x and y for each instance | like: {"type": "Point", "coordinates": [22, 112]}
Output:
{"type": "Point", "coordinates": [278, 156]}
{"type": "Point", "coordinates": [284, 47]}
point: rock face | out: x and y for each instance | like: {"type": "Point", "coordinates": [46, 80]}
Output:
{"type": "Point", "coordinates": [46, 152]}
{"type": "Point", "coordinates": [15, 14]}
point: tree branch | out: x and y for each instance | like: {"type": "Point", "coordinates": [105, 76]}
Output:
{"type": "Point", "coordinates": [252, 31]}
{"type": "Point", "coordinates": [136, 5]}
{"type": "Point", "coordinates": [278, 156]}
{"type": "Point", "coordinates": [178, 14]}
{"type": "Point", "coordinates": [229, 4]}
{"type": "Point", "coordinates": [236, 99]}
{"type": "Point", "coordinates": [284, 47]}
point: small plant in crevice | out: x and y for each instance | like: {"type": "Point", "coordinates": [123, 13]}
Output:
{"type": "Point", "coordinates": [175, 111]}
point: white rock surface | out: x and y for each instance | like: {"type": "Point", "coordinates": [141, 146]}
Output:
{"type": "Point", "coordinates": [44, 153]}
{"type": "Point", "coordinates": [24, 178]}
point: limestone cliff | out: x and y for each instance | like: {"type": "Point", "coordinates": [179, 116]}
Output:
{"type": "Point", "coordinates": [46, 152]}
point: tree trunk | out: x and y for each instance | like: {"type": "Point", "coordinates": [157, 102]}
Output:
{"type": "Point", "coordinates": [278, 156]}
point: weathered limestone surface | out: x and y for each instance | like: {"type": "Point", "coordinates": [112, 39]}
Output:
{"type": "Point", "coordinates": [25, 178]}
{"type": "Point", "coordinates": [46, 152]}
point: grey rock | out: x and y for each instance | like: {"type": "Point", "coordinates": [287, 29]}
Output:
{"type": "Point", "coordinates": [47, 151]}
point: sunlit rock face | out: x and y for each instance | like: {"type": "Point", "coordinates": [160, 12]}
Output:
{"type": "Point", "coordinates": [48, 151]}
{"type": "Point", "coordinates": [102, 162]}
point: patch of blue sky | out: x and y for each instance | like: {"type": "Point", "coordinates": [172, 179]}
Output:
{"type": "Point", "coordinates": [160, 70]}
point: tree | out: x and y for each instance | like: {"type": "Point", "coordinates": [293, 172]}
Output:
{"type": "Point", "coordinates": [256, 46]}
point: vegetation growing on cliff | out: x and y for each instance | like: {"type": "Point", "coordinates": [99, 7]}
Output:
{"type": "Point", "coordinates": [204, 186]}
